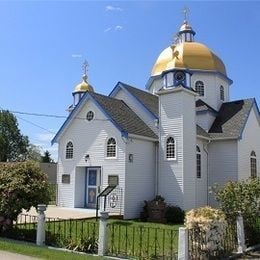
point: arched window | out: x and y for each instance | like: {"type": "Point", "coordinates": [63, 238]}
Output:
{"type": "Point", "coordinates": [198, 162]}
{"type": "Point", "coordinates": [170, 148]}
{"type": "Point", "coordinates": [253, 164]}
{"type": "Point", "coordinates": [69, 150]}
{"type": "Point", "coordinates": [199, 88]}
{"type": "Point", "coordinates": [111, 147]}
{"type": "Point", "coordinates": [222, 93]}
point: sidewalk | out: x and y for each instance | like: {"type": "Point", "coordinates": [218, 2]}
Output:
{"type": "Point", "coordinates": [5, 255]}
{"type": "Point", "coordinates": [64, 213]}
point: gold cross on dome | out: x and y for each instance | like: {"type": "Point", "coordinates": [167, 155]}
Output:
{"type": "Point", "coordinates": [85, 67]}
{"type": "Point", "coordinates": [185, 13]}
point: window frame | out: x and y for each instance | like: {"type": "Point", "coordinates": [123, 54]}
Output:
{"type": "Point", "coordinates": [222, 93]}
{"type": "Point", "coordinates": [198, 162]}
{"type": "Point", "coordinates": [201, 86]}
{"type": "Point", "coordinates": [93, 113]}
{"type": "Point", "coordinates": [115, 148]}
{"type": "Point", "coordinates": [69, 151]}
{"type": "Point", "coordinates": [174, 157]}
{"type": "Point", "coordinates": [253, 164]}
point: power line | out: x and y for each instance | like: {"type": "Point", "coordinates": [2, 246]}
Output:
{"type": "Point", "coordinates": [29, 122]}
{"type": "Point", "coordinates": [37, 114]}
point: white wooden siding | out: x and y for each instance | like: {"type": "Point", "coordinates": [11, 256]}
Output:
{"type": "Point", "coordinates": [177, 177]}
{"type": "Point", "coordinates": [137, 108]}
{"type": "Point", "coordinates": [201, 183]}
{"type": "Point", "coordinates": [212, 82]}
{"type": "Point", "coordinates": [223, 164]}
{"type": "Point", "coordinates": [89, 138]}
{"type": "Point", "coordinates": [140, 176]}
{"type": "Point", "coordinates": [250, 142]}
{"type": "Point", "coordinates": [157, 84]}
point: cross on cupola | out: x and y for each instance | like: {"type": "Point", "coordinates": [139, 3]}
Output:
{"type": "Point", "coordinates": [85, 66]}
{"type": "Point", "coordinates": [186, 33]}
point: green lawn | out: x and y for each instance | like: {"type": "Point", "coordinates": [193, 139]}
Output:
{"type": "Point", "coordinates": [40, 252]}
{"type": "Point", "coordinates": [143, 240]}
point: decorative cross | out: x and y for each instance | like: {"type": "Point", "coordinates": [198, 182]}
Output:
{"type": "Point", "coordinates": [185, 13]}
{"type": "Point", "coordinates": [85, 67]}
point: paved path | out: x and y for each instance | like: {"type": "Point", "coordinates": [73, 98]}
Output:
{"type": "Point", "coordinates": [64, 213]}
{"type": "Point", "coordinates": [4, 255]}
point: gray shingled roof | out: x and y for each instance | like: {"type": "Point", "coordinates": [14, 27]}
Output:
{"type": "Point", "coordinates": [202, 132]}
{"type": "Point", "coordinates": [231, 119]}
{"type": "Point", "coordinates": [123, 116]}
{"type": "Point", "coordinates": [149, 100]}
{"type": "Point", "coordinates": [202, 106]}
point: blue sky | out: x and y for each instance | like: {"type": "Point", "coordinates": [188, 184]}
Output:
{"type": "Point", "coordinates": [44, 43]}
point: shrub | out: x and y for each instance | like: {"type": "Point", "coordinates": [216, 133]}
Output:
{"type": "Point", "coordinates": [243, 197]}
{"type": "Point", "coordinates": [208, 226]}
{"type": "Point", "coordinates": [174, 214]}
{"type": "Point", "coordinates": [22, 185]}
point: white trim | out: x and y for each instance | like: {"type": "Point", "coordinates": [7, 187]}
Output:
{"type": "Point", "coordinates": [175, 148]}
{"type": "Point", "coordinates": [65, 150]}
{"type": "Point", "coordinates": [94, 115]}
{"type": "Point", "coordinates": [140, 137]}
{"type": "Point", "coordinates": [106, 157]}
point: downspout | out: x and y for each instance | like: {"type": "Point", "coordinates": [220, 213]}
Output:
{"type": "Point", "coordinates": [156, 168]}
{"type": "Point", "coordinates": [205, 148]}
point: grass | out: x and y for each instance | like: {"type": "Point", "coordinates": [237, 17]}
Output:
{"type": "Point", "coordinates": [40, 252]}
{"type": "Point", "coordinates": [143, 240]}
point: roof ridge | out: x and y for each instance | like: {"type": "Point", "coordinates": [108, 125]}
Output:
{"type": "Point", "coordinates": [146, 92]}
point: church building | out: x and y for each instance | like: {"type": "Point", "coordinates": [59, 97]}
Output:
{"type": "Point", "coordinates": [177, 138]}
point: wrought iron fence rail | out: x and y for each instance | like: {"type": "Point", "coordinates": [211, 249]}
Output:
{"type": "Point", "coordinates": [200, 246]}
{"type": "Point", "coordinates": [142, 242]}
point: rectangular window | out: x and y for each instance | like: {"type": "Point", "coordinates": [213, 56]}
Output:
{"type": "Point", "coordinates": [198, 166]}
{"type": "Point", "coordinates": [253, 167]}
{"type": "Point", "coordinates": [113, 180]}
{"type": "Point", "coordinates": [65, 178]}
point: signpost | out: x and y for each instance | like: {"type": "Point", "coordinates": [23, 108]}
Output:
{"type": "Point", "coordinates": [104, 194]}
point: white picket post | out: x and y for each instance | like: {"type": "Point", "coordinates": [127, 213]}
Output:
{"type": "Point", "coordinates": [240, 234]}
{"type": "Point", "coordinates": [102, 237]}
{"type": "Point", "coordinates": [183, 249]}
{"type": "Point", "coordinates": [40, 237]}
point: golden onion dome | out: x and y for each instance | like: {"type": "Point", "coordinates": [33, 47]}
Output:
{"type": "Point", "coordinates": [188, 55]}
{"type": "Point", "coordinates": [83, 86]}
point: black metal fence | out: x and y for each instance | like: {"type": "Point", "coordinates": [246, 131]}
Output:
{"type": "Point", "coordinates": [142, 242]}
{"type": "Point", "coordinates": [201, 247]}
{"type": "Point", "coordinates": [252, 231]}
{"type": "Point", "coordinates": [67, 233]}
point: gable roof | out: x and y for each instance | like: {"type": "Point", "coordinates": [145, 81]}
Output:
{"type": "Point", "coordinates": [203, 106]}
{"type": "Point", "coordinates": [122, 116]}
{"type": "Point", "coordinates": [148, 100]}
{"type": "Point", "coordinates": [201, 132]}
{"type": "Point", "coordinates": [231, 119]}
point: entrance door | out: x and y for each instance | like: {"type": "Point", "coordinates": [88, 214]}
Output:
{"type": "Point", "coordinates": [92, 185]}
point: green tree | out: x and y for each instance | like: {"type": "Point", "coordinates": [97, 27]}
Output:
{"type": "Point", "coordinates": [239, 197]}
{"type": "Point", "coordinates": [46, 158]}
{"type": "Point", "coordinates": [23, 185]}
{"type": "Point", "coordinates": [33, 153]}
{"type": "Point", "coordinates": [13, 145]}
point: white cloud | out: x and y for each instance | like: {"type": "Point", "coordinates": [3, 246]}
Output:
{"type": "Point", "coordinates": [118, 28]}
{"type": "Point", "coordinates": [76, 55]}
{"type": "Point", "coordinates": [107, 29]}
{"type": "Point", "coordinates": [45, 137]}
{"type": "Point", "coordinates": [113, 8]}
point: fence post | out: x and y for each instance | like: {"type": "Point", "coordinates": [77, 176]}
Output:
{"type": "Point", "coordinates": [40, 238]}
{"type": "Point", "coordinates": [240, 234]}
{"type": "Point", "coordinates": [183, 249]}
{"type": "Point", "coordinates": [102, 236]}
